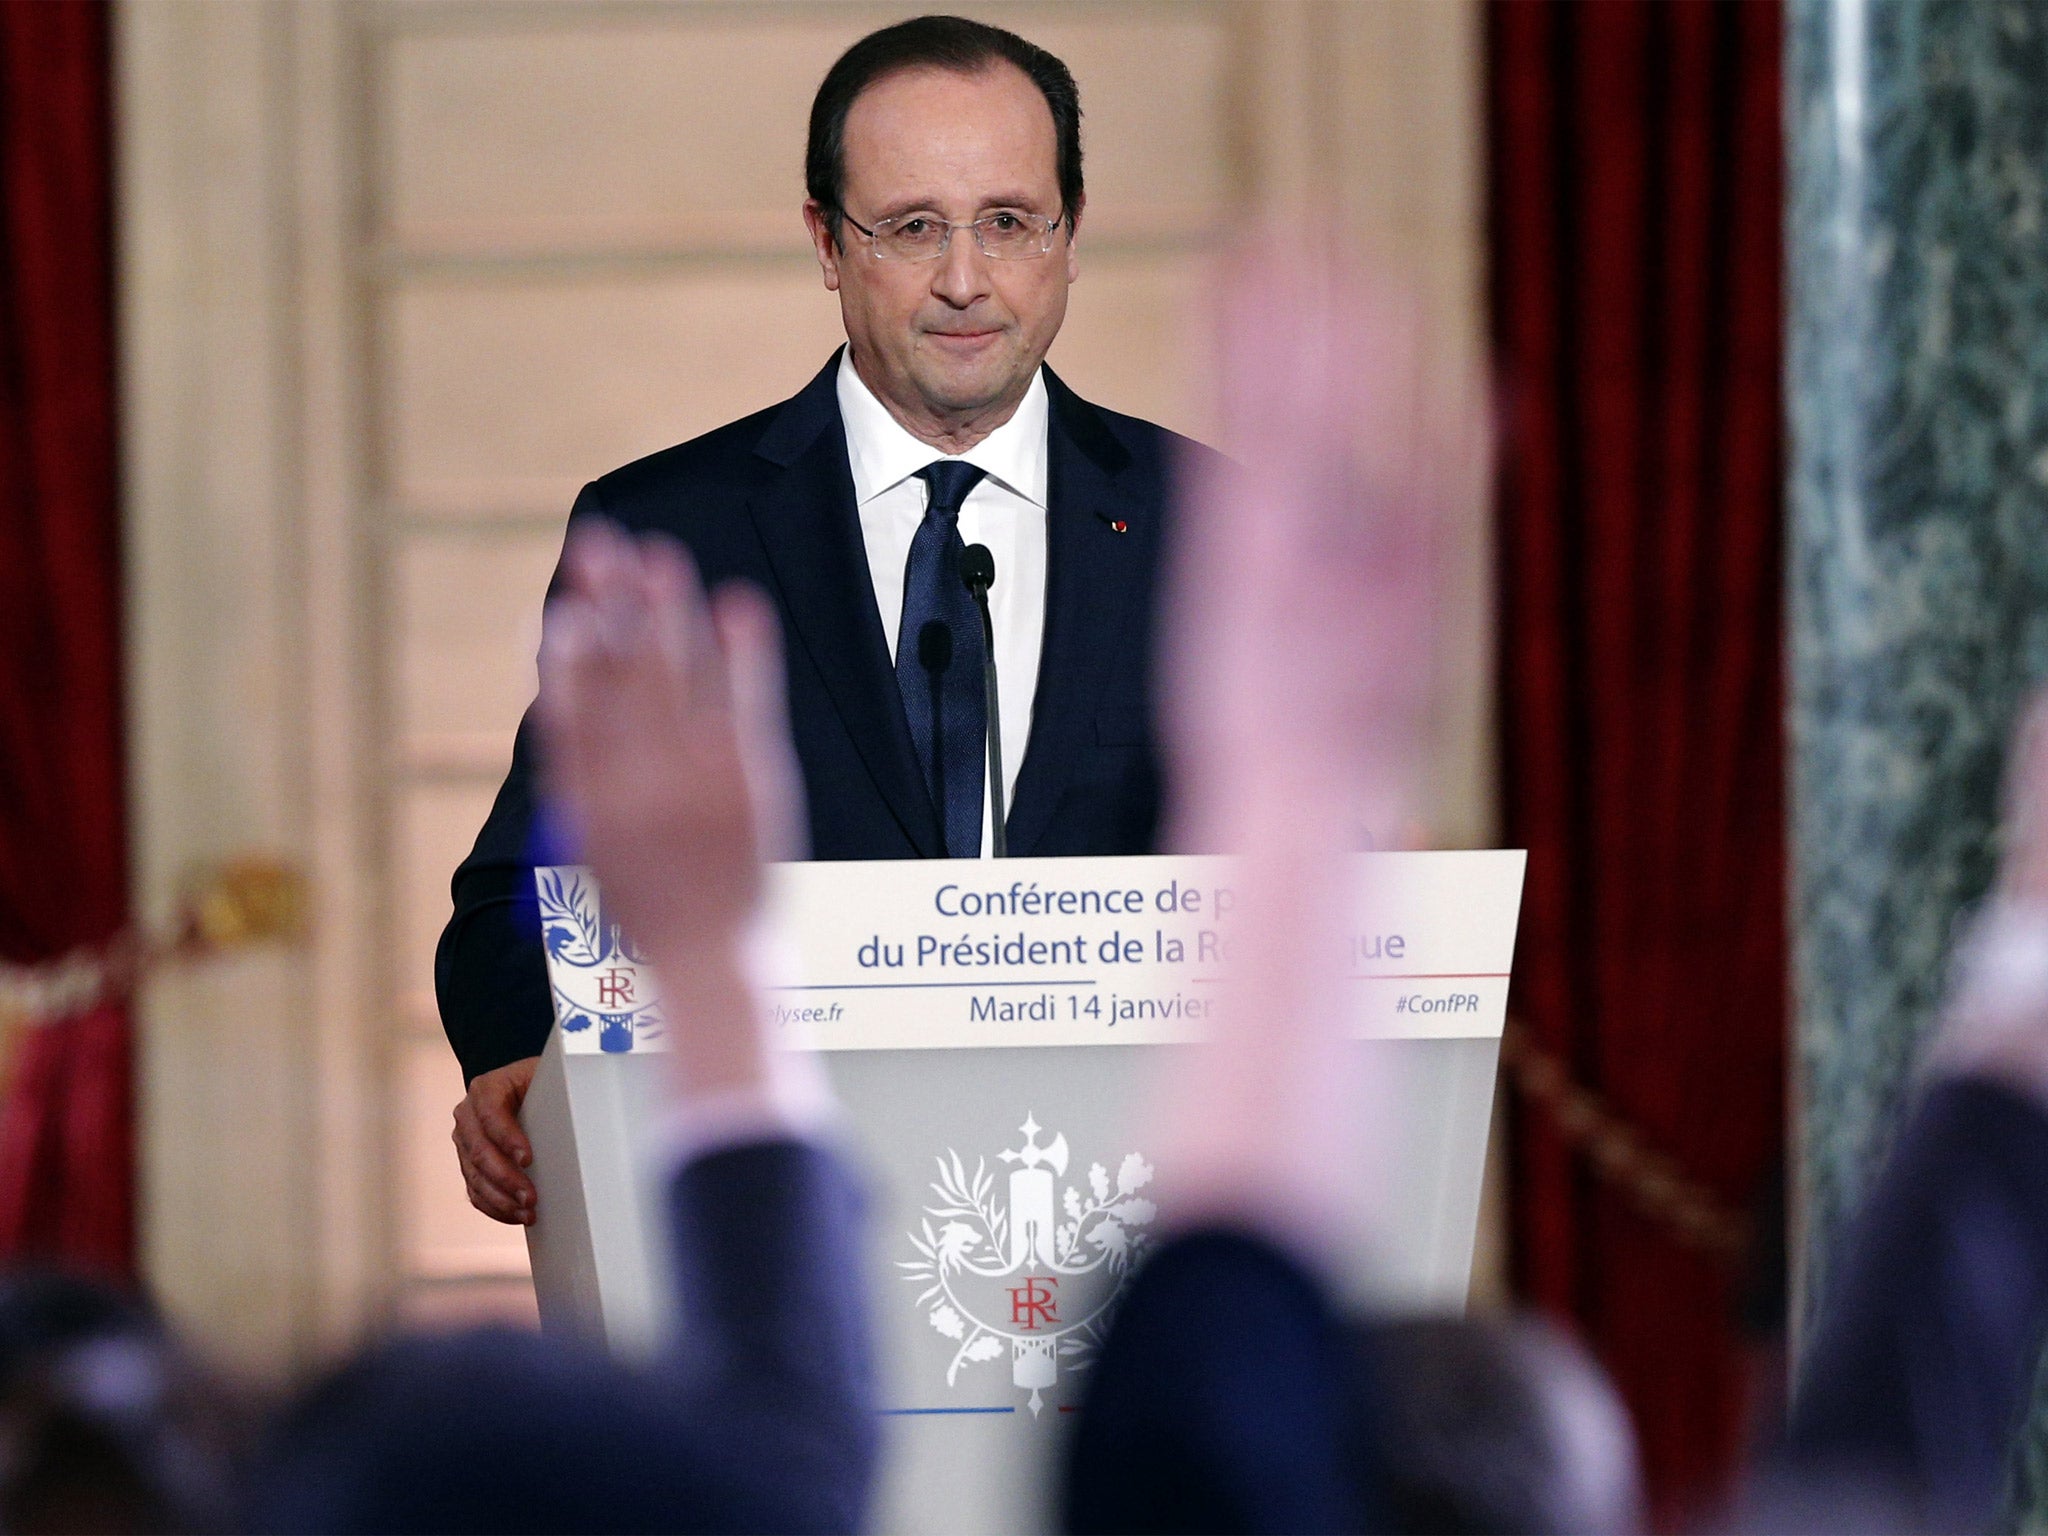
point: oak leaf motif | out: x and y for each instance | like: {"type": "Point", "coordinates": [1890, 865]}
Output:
{"type": "Point", "coordinates": [1134, 1175]}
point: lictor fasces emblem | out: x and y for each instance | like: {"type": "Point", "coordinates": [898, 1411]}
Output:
{"type": "Point", "coordinates": [1035, 1273]}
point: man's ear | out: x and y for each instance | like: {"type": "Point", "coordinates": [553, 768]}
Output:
{"type": "Point", "coordinates": [820, 224]}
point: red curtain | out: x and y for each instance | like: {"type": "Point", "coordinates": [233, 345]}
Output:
{"type": "Point", "coordinates": [1636, 168]}
{"type": "Point", "coordinates": [66, 1161]}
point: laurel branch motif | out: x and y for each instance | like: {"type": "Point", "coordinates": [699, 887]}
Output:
{"type": "Point", "coordinates": [580, 944]}
{"type": "Point", "coordinates": [568, 916]}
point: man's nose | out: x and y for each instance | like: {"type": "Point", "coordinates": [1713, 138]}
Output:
{"type": "Point", "coordinates": [962, 275]}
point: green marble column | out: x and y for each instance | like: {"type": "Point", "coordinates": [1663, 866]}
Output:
{"type": "Point", "coordinates": [1917, 387]}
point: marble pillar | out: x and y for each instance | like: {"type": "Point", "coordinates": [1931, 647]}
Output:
{"type": "Point", "coordinates": [1917, 387]}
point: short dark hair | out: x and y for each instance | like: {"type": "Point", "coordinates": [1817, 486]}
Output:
{"type": "Point", "coordinates": [935, 42]}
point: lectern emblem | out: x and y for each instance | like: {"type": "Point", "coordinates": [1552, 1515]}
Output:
{"type": "Point", "coordinates": [598, 980]}
{"type": "Point", "coordinates": [1034, 1272]}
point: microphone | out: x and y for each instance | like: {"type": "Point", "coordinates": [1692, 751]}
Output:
{"type": "Point", "coordinates": [978, 571]}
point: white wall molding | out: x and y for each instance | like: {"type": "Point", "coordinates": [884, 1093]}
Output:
{"type": "Point", "coordinates": [247, 594]}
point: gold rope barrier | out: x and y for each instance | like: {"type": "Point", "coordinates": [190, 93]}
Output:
{"type": "Point", "coordinates": [249, 899]}
{"type": "Point", "coordinates": [1652, 1181]}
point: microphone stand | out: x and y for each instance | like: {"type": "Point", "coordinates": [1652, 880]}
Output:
{"type": "Point", "coordinates": [978, 570]}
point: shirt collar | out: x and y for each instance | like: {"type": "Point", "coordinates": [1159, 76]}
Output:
{"type": "Point", "coordinates": [883, 454]}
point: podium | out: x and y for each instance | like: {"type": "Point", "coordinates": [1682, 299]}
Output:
{"type": "Point", "coordinates": [990, 1031]}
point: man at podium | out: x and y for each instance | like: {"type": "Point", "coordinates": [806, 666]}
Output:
{"type": "Point", "coordinates": [945, 196]}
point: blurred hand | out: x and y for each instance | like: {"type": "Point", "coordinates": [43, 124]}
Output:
{"type": "Point", "coordinates": [2023, 871]}
{"type": "Point", "coordinates": [1299, 670]}
{"type": "Point", "coordinates": [1997, 1019]}
{"type": "Point", "coordinates": [494, 1152]}
{"type": "Point", "coordinates": [1304, 595]}
{"type": "Point", "coordinates": [666, 743]}
{"type": "Point", "coordinates": [665, 746]}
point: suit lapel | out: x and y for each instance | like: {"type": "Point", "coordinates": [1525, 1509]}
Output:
{"type": "Point", "coordinates": [1094, 585]}
{"type": "Point", "coordinates": [810, 527]}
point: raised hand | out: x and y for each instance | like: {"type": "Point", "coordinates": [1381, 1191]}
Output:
{"type": "Point", "coordinates": [666, 747]}
{"type": "Point", "coordinates": [1298, 680]}
{"type": "Point", "coordinates": [1304, 594]}
{"type": "Point", "coordinates": [2023, 872]}
{"type": "Point", "coordinates": [1996, 1023]}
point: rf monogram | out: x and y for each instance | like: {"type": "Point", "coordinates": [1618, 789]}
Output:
{"type": "Point", "coordinates": [1033, 1305]}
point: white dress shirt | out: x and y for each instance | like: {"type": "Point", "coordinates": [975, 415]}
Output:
{"type": "Point", "coordinates": [1005, 511]}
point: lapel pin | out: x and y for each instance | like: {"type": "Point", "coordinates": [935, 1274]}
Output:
{"type": "Point", "coordinates": [1120, 527]}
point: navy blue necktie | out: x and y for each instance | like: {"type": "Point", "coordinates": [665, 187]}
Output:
{"type": "Point", "coordinates": [939, 659]}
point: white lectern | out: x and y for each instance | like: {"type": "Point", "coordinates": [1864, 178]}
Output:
{"type": "Point", "coordinates": [990, 1039]}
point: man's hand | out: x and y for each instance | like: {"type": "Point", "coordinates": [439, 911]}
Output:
{"type": "Point", "coordinates": [1301, 640]}
{"type": "Point", "coordinates": [493, 1150]}
{"type": "Point", "coordinates": [2023, 871]}
{"type": "Point", "coordinates": [665, 737]}
{"type": "Point", "coordinates": [665, 748]}
{"type": "Point", "coordinates": [1997, 1019]}
{"type": "Point", "coordinates": [1297, 683]}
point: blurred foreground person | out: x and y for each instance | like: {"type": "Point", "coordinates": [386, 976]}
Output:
{"type": "Point", "coordinates": [104, 1426]}
{"type": "Point", "coordinates": [1923, 1357]}
{"type": "Point", "coordinates": [667, 751]}
{"type": "Point", "coordinates": [1498, 1424]}
{"type": "Point", "coordinates": [1231, 1395]}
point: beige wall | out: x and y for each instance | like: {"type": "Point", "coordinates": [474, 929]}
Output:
{"type": "Point", "coordinates": [397, 280]}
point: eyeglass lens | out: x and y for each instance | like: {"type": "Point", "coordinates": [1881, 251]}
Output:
{"type": "Point", "coordinates": [1005, 236]}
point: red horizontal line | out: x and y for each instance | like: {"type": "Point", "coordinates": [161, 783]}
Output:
{"type": "Point", "coordinates": [1438, 976]}
{"type": "Point", "coordinates": [1413, 976]}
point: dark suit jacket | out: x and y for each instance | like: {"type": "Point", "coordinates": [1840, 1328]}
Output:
{"type": "Point", "coordinates": [769, 499]}
{"type": "Point", "coordinates": [765, 1420]}
{"type": "Point", "coordinates": [1228, 1397]}
{"type": "Point", "coordinates": [1924, 1355]}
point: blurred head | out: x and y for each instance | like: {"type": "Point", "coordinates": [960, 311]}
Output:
{"type": "Point", "coordinates": [1499, 1425]}
{"type": "Point", "coordinates": [956, 121]}
{"type": "Point", "coordinates": [103, 1425]}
